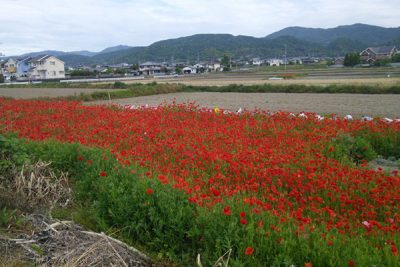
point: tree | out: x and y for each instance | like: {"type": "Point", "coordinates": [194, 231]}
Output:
{"type": "Point", "coordinates": [226, 62]}
{"type": "Point", "coordinates": [396, 58]}
{"type": "Point", "coordinates": [351, 59]}
{"type": "Point", "coordinates": [1, 78]}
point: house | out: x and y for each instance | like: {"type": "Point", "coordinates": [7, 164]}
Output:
{"type": "Point", "coordinates": [1, 66]}
{"type": "Point", "coordinates": [257, 62]}
{"type": "Point", "coordinates": [23, 67]}
{"type": "Point", "coordinates": [214, 66]}
{"type": "Point", "coordinates": [150, 68]}
{"type": "Point", "coordinates": [295, 61]}
{"type": "Point", "coordinates": [372, 54]}
{"type": "Point", "coordinates": [338, 61]}
{"type": "Point", "coordinates": [10, 66]}
{"type": "Point", "coordinates": [189, 70]}
{"type": "Point", "coordinates": [275, 62]}
{"type": "Point", "coordinates": [46, 67]}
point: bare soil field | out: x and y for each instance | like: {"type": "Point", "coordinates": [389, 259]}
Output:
{"type": "Point", "coordinates": [223, 80]}
{"type": "Point", "coordinates": [341, 104]}
{"type": "Point", "coordinates": [28, 93]}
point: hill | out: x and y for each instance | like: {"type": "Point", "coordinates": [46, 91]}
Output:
{"type": "Point", "coordinates": [297, 41]}
{"type": "Point", "coordinates": [367, 34]}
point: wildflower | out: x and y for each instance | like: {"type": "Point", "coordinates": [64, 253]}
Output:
{"type": "Point", "coordinates": [103, 174]}
{"type": "Point", "coordinates": [216, 193]}
{"type": "Point", "coordinates": [367, 225]}
{"type": "Point", "coordinates": [249, 251]}
{"type": "Point", "coordinates": [243, 221]}
{"type": "Point", "coordinates": [394, 248]}
{"type": "Point", "coordinates": [149, 191]}
{"type": "Point", "coordinates": [307, 264]}
{"type": "Point", "coordinates": [227, 210]}
{"type": "Point", "coordinates": [351, 263]}
{"type": "Point", "coordinates": [243, 214]}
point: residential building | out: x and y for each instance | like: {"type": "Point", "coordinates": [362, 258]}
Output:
{"type": "Point", "coordinates": [275, 62]}
{"type": "Point", "coordinates": [150, 68]}
{"type": "Point", "coordinates": [2, 66]}
{"type": "Point", "coordinates": [372, 54]}
{"type": "Point", "coordinates": [189, 70]}
{"type": "Point", "coordinates": [46, 67]}
{"type": "Point", "coordinates": [10, 66]}
{"type": "Point", "coordinates": [214, 66]}
{"type": "Point", "coordinates": [23, 67]}
{"type": "Point", "coordinates": [257, 62]}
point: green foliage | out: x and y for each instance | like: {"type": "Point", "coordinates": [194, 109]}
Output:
{"type": "Point", "coordinates": [226, 62]}
{"type": "Point", "coordinates": [11, 154]}
{"type": "Point", "coordinates": [10, 218]}
{"type": "Point", "coordinates": [348, 149]}
{"type": "Point", "coordinates": [382, 62]}
{"type": "Point", "coordinates": [82, 73]}
{"type": "Point", "coordinates": [351, 59]}
{"type": "Point", "coordinates": [120, 85]}
{"type": "Point", "coordinates": [395, 58]}
{"type": "Point", "coordinates": [1, 78]}
{"type": "Point", "coordinates": [364, 146]}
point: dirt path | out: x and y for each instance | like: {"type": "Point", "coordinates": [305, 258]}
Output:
{"type": "Point", "coordinates": [26, 93]}
{"type": "Point", "coordinates": [210, 80]}
{"type": "Point", "coordinates": [341, 104]}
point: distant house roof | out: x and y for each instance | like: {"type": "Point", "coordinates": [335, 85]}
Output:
{"type": "Point", "coordinates": [149, 63]}
{"type": "Point", "coordinates": [43, 58]}
{"type": "Point", "coordinates": [382, 50]}
{"type": "Point", "coordinates": [25, 59]}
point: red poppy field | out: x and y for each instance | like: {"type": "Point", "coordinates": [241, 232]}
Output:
{"type": "Point", "coordinates": [280, 183]}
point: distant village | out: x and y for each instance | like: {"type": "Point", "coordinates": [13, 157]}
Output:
{"type": "Point", "coordinates": [48, 67]}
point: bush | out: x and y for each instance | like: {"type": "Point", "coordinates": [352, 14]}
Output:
{"type": "Point", "coordinates": [120, 85]}
{"type": "Point", "coordinates": [1, 78]}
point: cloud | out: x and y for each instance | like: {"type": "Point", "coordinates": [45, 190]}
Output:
{"type": "Point", "coordinates": [95, 24]}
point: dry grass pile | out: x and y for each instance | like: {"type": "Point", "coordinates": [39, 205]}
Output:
{"type": "Point", "coordinates": [39, 185]}
{"type": "Point", "coordinates": [63, 243]}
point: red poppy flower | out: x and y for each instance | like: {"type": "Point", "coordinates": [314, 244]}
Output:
{"type": "Point", "coordinates": [103, 174]}
{"type": "Point", "coordinates": [149, 191]}
{"type": "Point", "coordinates": [227, 210]}
{"type": "Point", "coordinates": [249, 251]}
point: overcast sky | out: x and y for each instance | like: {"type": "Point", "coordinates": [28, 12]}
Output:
{"type": "Point", "coordinates": [68, 25]}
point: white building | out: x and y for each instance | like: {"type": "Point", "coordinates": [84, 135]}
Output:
{"type": "Point", "coordinates": [189, 70]}
{"type": "Point", "coordinates": [46, 67]}
{"type": "Point", "coordinates": [214, 66]}
{"type": "Point", "coordinates": [275, 62]}
{"type": "Point", "coordinates": [257, 62]}
{"type": "Point", "coordinates": [150, 68]}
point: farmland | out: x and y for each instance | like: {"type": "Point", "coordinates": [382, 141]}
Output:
{"type": "Point", "coordinates": [272, 189]}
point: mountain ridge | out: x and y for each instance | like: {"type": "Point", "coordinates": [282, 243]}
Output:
{"type": "Point", "coordinates": [296, 41]}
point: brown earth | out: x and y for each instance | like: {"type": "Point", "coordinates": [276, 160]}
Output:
{"type": "Point", "coordinates": [341, 104]}
{"type": "Point", "coordinates": [27, 93]}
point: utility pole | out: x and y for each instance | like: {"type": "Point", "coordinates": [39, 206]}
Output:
{"type": "Point", "coordinates": [285, 58]}
{"type": "Point", "coordinates": [1, 54]}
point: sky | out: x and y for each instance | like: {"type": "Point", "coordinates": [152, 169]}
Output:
{"type": "Point", "coordinates": [70, 25]}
